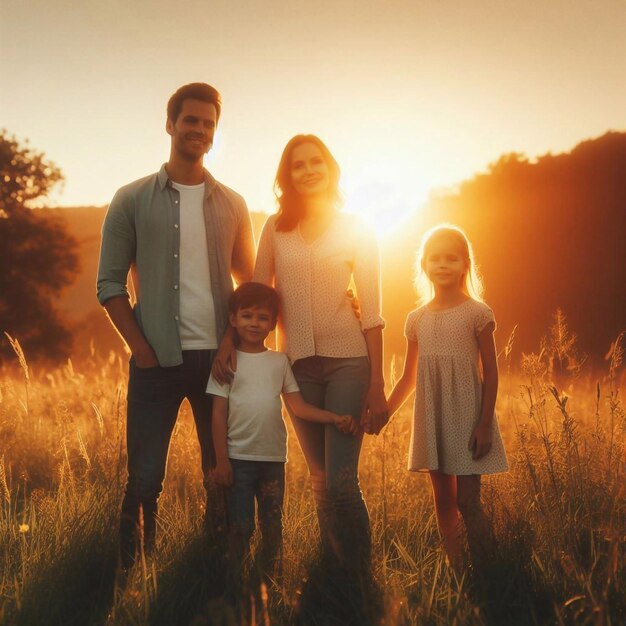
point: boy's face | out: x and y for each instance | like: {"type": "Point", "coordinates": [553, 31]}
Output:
{"type": "Point", "coordinates": [253, 325]}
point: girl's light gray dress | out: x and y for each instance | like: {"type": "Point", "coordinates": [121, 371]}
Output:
{"type": "Point", "coordinates": [449, 390]}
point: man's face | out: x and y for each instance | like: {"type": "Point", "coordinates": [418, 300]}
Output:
{"type": "Point", "coordinates": [192, 132]}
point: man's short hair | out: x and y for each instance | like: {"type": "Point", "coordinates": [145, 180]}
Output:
{"type": "Point", "coordinates": [253, 295]}
{"type": "Point", "coordinates": [193, 91]}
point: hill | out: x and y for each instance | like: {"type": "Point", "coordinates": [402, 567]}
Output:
{"type": "Point", "coordinates": [551, 233]}
{"type": "Point", "coordinates": [547, 233]}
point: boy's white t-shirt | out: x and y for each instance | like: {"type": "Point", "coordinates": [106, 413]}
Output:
{"type": "Point", "coordinates": [256, 430]}
{"type": "Point", "coordinates": [197, 309]}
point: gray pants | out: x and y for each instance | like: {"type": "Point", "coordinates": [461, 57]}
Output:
{"type": "Point", "coordinates": [338, 385]}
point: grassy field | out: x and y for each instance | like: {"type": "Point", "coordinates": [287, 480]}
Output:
{"type": "Point", "coordinates": [559, 514]}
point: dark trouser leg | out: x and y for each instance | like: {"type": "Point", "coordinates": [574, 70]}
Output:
{"type": "Point", "coordinates": [154, 396]}
{"type": "Point", "coordinates": [270, 498]}
{"type": "Point", "coordinates": [198, 364]}
{"type": "Point", "coordinates": [240, 500]}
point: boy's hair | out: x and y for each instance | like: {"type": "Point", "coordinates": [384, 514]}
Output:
{"type": "Point", "coordinates": [253, 295]}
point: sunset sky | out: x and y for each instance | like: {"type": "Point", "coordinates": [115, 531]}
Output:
{"type": "Point", "coordinates": [409, 95]}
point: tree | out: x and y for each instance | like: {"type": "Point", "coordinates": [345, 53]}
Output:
{"type": "Point", "coordinates": [38, 257]}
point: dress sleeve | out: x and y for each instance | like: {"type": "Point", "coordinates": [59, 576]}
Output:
{"type": "Point", "coordinates": [289, 380]}
{"type": "Point", "coordinates": [366, 271]}
{"type": "Point", "coordinates": [264, 268]}
{"type": "Point", "coordinates": [410, 326]}
{"type": "Point", "coordinates": [482, 317]}
{"type": "Point", "coordinates": [216, 389]}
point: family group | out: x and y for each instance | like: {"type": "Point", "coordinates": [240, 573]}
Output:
{"type": "Point", "coordinates": [186, 240]}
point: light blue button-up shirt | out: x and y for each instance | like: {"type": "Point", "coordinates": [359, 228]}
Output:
{"type": "Point", "coordinates": [141, 233]}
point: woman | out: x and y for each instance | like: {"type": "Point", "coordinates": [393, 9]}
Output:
{"type": "Point", "coordinates": [310, 253]}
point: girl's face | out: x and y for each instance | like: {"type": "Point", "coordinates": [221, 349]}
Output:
{"type": "Point", "coordinates": [445, 264]}
{"type": "Point", "coordinates": [309, 171]}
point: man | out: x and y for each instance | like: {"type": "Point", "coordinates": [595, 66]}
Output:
{"type": "Point", "coordinates": [183, 236]}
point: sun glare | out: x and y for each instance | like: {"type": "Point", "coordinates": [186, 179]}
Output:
{"type": "Point", "coordinates": [388, 193]}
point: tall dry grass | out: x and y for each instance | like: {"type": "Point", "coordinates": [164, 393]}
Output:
{"type": "Point", "coordinates": [559, 514]}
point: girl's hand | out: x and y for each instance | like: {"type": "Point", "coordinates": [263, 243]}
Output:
{"type": "Point", "coordinates": [375, 413]}
{"type": "Point", "coordinates": [225, 361]}
{"type": "Point", "coordinates": [346, 424]}
{"type": "Point", "coordinates": [223, 474]}
{"type": "Point", "coordinates": [480, 441]}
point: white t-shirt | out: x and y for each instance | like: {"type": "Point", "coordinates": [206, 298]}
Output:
{"type": "Point", "coordinates": [256, 430]}
{"type": "Point", "coordinates": [197, 310]}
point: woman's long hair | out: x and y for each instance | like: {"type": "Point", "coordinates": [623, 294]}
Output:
{"type": "Point", "coordinates": [472, 283]}
{"type": "Point", "coordinates": [290, 203]}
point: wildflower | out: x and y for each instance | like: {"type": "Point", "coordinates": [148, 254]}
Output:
{"type": "Point", "coordinates": [24, 528]}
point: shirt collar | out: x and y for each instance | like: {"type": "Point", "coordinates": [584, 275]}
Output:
{"type": "Point", "coordinates": [209, 181]}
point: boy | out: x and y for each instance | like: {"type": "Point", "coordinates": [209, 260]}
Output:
{"type": "Point", "coordinates": [249, 433]}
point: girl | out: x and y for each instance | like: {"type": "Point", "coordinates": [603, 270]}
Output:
{"type": "Point", "coordinates": [455, 434]}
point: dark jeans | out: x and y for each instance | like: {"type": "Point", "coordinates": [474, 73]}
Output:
{"type": "Point", "coordinates": [154, 397]}
{"type": "Point", "coordinates": [262, 482]}
{"type": "Point", "coordinates": [338, 385]}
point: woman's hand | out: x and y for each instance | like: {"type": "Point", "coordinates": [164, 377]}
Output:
{"type": "Point", "coordinates": [375, 413]}
{"type": "Point", "coordinates": [480, 441]}
{"type": "Point", "coordinates": [225, 361]}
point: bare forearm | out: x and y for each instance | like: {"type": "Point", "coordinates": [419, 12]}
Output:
{"type": "Point", "coordinates": [313, 414]}
{"type": "Point", "coordinates": [400, 393]}
{"type": "Point", "coordinates": [374, 342]}
{"type": "Point", "coordinates": [219, 428]}
{"type": "Point", "coordinates": [306, 411]}
{"type": "Point", "coordinates": [122, 317]}
{"type": "Point", "coordinates": [490, 391]}
{"type": "Point", "coordinates": [406, 383]}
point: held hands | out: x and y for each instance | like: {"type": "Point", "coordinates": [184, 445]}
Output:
{"type": "Point", "coordinates": [480, 441]}
{"type": "Point", "coordinates": [375, 413]}
{"type": "Point", "coordinates": [346, 424]}
{"type": "Point", "coordinates": [223, 473]}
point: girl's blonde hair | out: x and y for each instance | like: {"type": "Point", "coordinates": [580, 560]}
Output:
{"type": "Point", "coordinates": [472, 283]}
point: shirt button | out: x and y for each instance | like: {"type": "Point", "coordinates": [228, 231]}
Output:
{"type": "Point", "coordinates": [176, 317]}
{"type": "Point", "coordinates": [175, 255]}
{"type": "Point", "coordinates": [175, 225]}
{"type": "Point", "coordinates": [175, 201]}
{"type": "Point", "coordinates": [175, 286]}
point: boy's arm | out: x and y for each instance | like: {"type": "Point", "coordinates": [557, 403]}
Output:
{"type": "Point", "coordinates": [297, 405]}
{"type": "Point", "coordinates": [406, 384]}
{"type": "Point", "coordinates": [219, 428]}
